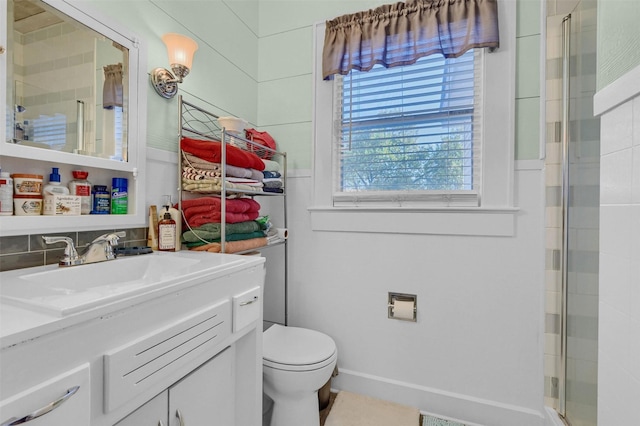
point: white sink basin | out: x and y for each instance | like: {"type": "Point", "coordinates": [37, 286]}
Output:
{"type": "Point", "coordinates": [66, 290]}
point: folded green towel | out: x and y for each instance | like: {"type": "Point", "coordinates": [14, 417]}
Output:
{"type": "Point", "coordinates": [211, 231]}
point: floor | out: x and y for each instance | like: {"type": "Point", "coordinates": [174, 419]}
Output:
{"type": "Point", "coordinates": [424, 420]}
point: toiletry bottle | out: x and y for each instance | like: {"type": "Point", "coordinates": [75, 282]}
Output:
{"type": "Point", "coordinates": [167, 232]}
{"type": "Point", "coordinates": [119, 196]}
{"type": "Point", "coordinates": [176, 216]}
{"type": "Point", "coordinates": [6, 194]}
{"type": "Point", "coordinates": [81, 187]}
{"type": "Point", "coordinates": [50, 191]}
{"type": "Point", "coordinates": [101, 200]}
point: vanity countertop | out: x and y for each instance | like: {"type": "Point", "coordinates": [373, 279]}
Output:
{"type": "Point", "coordinates": [21, 323]}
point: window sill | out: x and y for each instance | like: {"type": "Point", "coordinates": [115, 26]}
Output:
{"type": "Point", "coordinates": [495, 222]}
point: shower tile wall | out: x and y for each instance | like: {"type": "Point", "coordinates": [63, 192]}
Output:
{"type": "Point", "coordinates": [583, 212]}
{"type": "Point", "coordinates": [619, 356]}
{"type": "Point", "coordinates": [49, 81]}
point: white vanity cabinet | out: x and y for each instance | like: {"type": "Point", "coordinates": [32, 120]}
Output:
{"type": "Point", "coordinates": [147, 357]}
{"type": "Point", "coordinates": [204, 397]}
{"type": "Point", "coordinates": [60, 401]}
{"type": "Point", "coordinates": [207, 395]}
{"type": "Point", "coordinates": [153, 413]}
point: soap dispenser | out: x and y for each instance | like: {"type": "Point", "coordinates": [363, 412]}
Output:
{"type": "Point", "coordinates": [167, 232]}
{"type": "Point", "coordinates": [177, 218]}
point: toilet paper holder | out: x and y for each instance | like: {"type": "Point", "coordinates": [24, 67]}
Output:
{"type": "Point", "coordinates": [394, 312]}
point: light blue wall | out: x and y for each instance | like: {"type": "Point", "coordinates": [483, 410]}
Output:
{"type": "Point", "coordinates": [255, 61]}
{"type": "Point", "coordinates": [528, 80]}
{"type": "Point", "coordinates": [286, 62]}
{"type": "Point", "coordinates": [618, 39]}
{"type": "Point", "coordinates": [225, 67]}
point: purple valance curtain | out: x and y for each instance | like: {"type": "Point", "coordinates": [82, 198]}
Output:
{"type": "Point", "coordinates": [401, 33]}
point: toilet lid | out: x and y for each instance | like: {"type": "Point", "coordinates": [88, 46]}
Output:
{"type": "Point", "coordinates": [296, 346]}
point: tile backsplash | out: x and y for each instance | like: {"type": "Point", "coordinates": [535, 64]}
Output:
{"type": "Point", "coordinates": [25, 251]}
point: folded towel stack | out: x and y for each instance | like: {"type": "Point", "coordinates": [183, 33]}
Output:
{"type": "Point", "coordinates": [203, 210]}
{"type": "Point", "coordinates": [211, 151]}
{"type": "Point", "coordinates": [272, 179]}
{"type": "Point", "coordinates": [202, 172]}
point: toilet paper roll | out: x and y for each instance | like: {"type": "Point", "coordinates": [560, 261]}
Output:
{"type": "Point", "coordinates": [283, 233]}
{"type": "Point", "coordinates": [403, 309]}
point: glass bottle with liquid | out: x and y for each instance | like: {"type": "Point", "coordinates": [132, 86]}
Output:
{"type": "Point", "coordinates": [167, 232]}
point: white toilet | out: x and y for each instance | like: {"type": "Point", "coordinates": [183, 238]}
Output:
{"type": "Point", "coordinates": [297, 362]}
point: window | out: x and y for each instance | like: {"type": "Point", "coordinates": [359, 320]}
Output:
{"type": "Point", "coordinates": [407, 133]}
{"type": "Point", "coordinates": [482, 206]}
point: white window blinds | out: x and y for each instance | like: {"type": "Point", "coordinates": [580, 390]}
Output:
{"type": "Point", "coordinates": [410, 134]}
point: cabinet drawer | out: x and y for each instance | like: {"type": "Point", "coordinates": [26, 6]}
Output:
{"type": "Point", "coordinates": [246, 308]}
{"type": "Point", "coordinates": [149, 361]}
{"type": "Point", "coordinates": [70, 408]}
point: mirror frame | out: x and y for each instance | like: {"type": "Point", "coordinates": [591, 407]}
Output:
{"type": "Point", "coordinates": [135, 167]}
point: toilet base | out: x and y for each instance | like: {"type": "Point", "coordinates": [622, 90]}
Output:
{"type": "Point", "coordinates": [301, 410]}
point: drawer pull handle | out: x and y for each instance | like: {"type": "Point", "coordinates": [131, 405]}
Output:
{"type": "Point", "coordinates": [179, 416]}
{"type": "Point", "coordinates": [42, 411]}
{"type": "Point", "coordinates": [248, 302]}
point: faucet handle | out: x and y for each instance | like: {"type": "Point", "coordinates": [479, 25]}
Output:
{"type": "Point", "coordinates": [112, 238]}
{"type": "Point", "coordinates": [70, 252]}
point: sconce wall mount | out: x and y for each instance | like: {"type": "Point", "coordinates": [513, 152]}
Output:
{"type": "Point", "coordinates": [180, 49]}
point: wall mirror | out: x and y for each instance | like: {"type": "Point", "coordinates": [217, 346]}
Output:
{"type": "Point", "coordinates": [59, 107]}
{"type": "Point", "coordinates": [68, 85]}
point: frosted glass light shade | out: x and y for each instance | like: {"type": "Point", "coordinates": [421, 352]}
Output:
{"type": "Point", "coordinates": [180, 49]}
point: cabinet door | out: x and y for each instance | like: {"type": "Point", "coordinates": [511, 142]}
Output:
{"type": "Point", "coordinates": [61, 401]}
{"type": "Point", "coordinates": [206, 396]}
{"type": "Point", "coordinates": [153, 413]}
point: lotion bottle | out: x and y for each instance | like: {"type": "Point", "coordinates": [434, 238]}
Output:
{"type": "Point", "coordinates": [176, 216]}
{"type": "Point", "coordinates": [167, 232]}
{"type": "Point", "coordinates": [50, 191]}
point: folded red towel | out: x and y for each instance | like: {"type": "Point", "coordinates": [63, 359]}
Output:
{"type": "Point", "coordinates": [202, 219]}
{"type": "Point", "coordinates": [237, 205]}
{"type": "Point", "coordinates": [210, 151]}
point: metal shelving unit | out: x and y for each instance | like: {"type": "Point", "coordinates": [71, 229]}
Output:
{"type": "Point", "coordinates": [198, 123]}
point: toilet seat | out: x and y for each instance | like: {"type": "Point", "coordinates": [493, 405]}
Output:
{"type": "Point", "coordinates": [297, 349]}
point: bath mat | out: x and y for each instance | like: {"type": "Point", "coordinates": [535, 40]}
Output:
{"type": "Point", "coordinates": [350, 409]}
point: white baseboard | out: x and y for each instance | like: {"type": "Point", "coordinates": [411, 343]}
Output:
{"type": "Point", "coordinates": [469, 410]}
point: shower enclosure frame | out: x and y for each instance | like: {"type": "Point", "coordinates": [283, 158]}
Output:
{"type": "Point", "coordinates": [578, 205]}
{"type": "Point", "coordinates": [564, 197]}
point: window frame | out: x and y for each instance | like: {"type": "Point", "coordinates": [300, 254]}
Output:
{"type": "Point", "coordinates": [420, 197]}
{"type": "Point", "coordinates": [494, 215]}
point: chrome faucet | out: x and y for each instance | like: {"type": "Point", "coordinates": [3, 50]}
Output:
{"type": "Point", "coordinates": [99, 250]}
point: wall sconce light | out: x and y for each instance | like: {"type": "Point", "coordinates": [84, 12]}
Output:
{"type": "Point", "coordinates": [180, 49]}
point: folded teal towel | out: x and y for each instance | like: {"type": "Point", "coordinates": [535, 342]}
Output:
{"type": "Point", "coordinates": [211, 231]}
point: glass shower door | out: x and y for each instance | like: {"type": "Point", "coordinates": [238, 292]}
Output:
{"type": "Point", "coordinates": [581, 195]}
